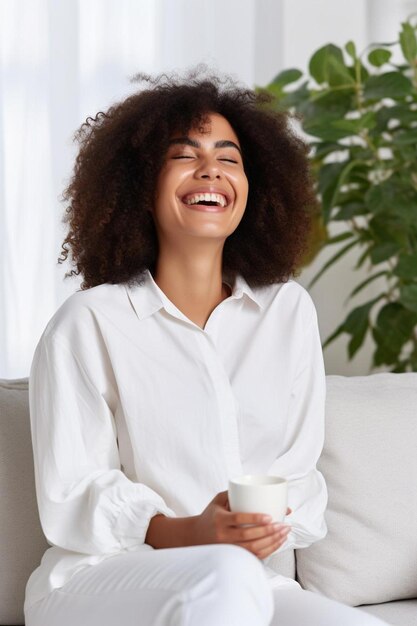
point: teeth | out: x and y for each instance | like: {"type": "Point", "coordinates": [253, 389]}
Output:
{"type": "Point", "coordinates": [206, 197]}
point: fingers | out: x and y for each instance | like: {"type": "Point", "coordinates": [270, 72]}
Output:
{"type": "Point", "coordinates": [250, 533]}
{"type": "Point", "coordinates": [237, 519]}
{"type": "Point", "coordinates": [265, 546]}
{"type": "Point", "coordinates": [253, 531]}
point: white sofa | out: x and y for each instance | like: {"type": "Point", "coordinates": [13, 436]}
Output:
{"type": "Point", "coordinates": [369, 557]}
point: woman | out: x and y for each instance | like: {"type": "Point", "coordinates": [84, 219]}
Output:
{"type": "Point", "coordinates": [188, 357]}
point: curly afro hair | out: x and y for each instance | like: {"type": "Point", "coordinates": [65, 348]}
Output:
{"type": "Point", "coordinates": [112, 236]}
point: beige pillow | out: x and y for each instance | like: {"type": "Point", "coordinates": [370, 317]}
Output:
{"type": "Point", "coordinates": [369, 462]}
{"type": "Point", "coordinates": [22, 542]}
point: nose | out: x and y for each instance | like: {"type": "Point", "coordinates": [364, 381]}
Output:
{"type": "Point", "coordinates": [209, 169]}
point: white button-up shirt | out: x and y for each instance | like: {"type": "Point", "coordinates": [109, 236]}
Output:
{"type": "Point", "coordinates": [136, 410]}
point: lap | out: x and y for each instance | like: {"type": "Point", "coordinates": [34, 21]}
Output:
{"type": "Point", "coordinates": [160, 588]}
{"type": "Point", "coordinates": [172, 569]}
{"type": "Point", "coordinates": [155, 588]}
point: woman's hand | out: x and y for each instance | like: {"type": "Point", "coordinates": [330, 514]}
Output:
{"type": "Point", "coordinates": [217, 524]}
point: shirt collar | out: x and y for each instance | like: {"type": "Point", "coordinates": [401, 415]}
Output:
{"type": "Point", "coordinates": [147, 297]}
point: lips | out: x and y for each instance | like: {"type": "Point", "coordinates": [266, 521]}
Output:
{"type": "Point", "coordinates": [212, 200]}
{"type": "Point", "coordinates": [206, 208]}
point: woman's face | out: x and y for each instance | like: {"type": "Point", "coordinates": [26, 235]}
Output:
{"type": "Point", "coordinates": [202, 188]}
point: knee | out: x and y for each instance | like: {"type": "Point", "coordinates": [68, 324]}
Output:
{"type": "Point", "coordinates": [230, 560]}
{"type": "Point", "coordinates": [239, 572]}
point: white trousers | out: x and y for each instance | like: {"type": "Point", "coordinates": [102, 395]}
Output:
{"type": "Point", "coordinates": [209, 585]}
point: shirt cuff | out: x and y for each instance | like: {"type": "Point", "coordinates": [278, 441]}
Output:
{"type": "Point", "coordinates": [132, 523]}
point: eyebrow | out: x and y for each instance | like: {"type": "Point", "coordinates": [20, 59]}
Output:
{"type": "Point", "coordinates": [223, 143]}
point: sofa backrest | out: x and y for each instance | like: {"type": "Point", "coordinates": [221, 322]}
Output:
{"type": "Point", "coordinates": [369, 462]}
{"type": "Point", "coordinates": [22, 542]}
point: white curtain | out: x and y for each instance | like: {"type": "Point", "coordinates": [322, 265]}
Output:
{"type": "Point", "coordinates": [63, 60]}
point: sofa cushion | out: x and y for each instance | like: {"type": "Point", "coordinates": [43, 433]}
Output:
{"type": "Point", "coordinates": [399, 613]}
{"type": "Point", "coordinates": [22, 542]}
{"type": "Point", "coordinates": [369, 462]}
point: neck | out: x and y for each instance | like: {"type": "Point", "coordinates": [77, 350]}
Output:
{"type": "Point", "coordinates": [193, 282]}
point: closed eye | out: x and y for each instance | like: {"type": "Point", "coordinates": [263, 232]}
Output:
{"type": "Point", "coordinates": [191, 157]}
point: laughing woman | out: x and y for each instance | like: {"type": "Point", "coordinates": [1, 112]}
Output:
{"type": "Point", "coordinates": [189, 356]}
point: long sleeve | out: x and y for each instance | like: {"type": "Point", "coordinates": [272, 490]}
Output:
{"type": "Point", "coordinates": [303, 443]}
{"type": "Point", "coordinates": [86, 503]}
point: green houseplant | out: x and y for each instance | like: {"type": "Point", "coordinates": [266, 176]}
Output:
{"type": "Point", "coordinates": [360, 112]}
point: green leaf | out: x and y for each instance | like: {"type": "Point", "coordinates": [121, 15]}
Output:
{"type": "Point", "coordinates": [357, 317]}
{"type": "Point", "coordinates": [356, 341]}
{"type": "Point", "coordinates": [333, 259]}
{"type": "Point", "coordinates": [406, 136]}
{"type": "Point", "coordinates": [349, 210]}
{"type": "Point", "coordinates": [353, 127]}
{"type": "Point", "coordinates": [390, 85]}
{"type": "Point", "coordinates": [286, 77]}
{"type": "Point", "coordinates": [408, 297]}
{"type": "Point", "coordinates": [383, 251]}
{"type": "Point", "coordinates": [406, 267]}
{"type": "Point", "coordinates": [393, 328]}
{"type": "Point", "coordinates": [394, 200]}
{"type": "Point", "coordinates": [379, 56]}
{"type": "Point", "coordinates": [325, 105]}
{"type": "Point", "coordinates": [366, 282]}
{"type": "Point", "coordinates": [338, 238]}
{"type": "Point", "coordinates": [323, 148]}
{"type": "Point", "coordinates": [351, 49]}
{"type": "Point", "coordinates": [389, 228]}
{"type": "Point", "coordinates": [347, 168]}
{"type": "Point", "coordinates": [325, 131]}
{"type": "Point", "coordinates": [360, 153]}
{"type": "Point", "coordinates": [357, 324]}
{"type": "Point", "coordinates": [327, 66]}
{"type": "Point", "coordinates": [384, 354]}
{"type": "Point", "coordinates": [338, 73]}
{"type": "Point", "coordinates": [329, 175]}
{"type": "Point", "coordinates": [401, 112]}
{"type": "Point", "coordinates": [298, 97]}
{"type": "Point", "coordinates": [318, 63]}
{"type": "Point", "coordinates": [365, 254]}
{"type": "Point", "coordinates": [408, 42]}
{"type": "Point", "coordinates": [405, 152]}
{"type": "Point", "coordinates": [400, 367]}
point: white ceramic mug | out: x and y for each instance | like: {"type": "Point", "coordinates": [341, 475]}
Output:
{"type": "Point", "coordinates": [258, 493]}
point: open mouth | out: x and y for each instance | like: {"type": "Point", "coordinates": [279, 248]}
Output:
{"type": "Point", "coordinates": [206, 200]}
